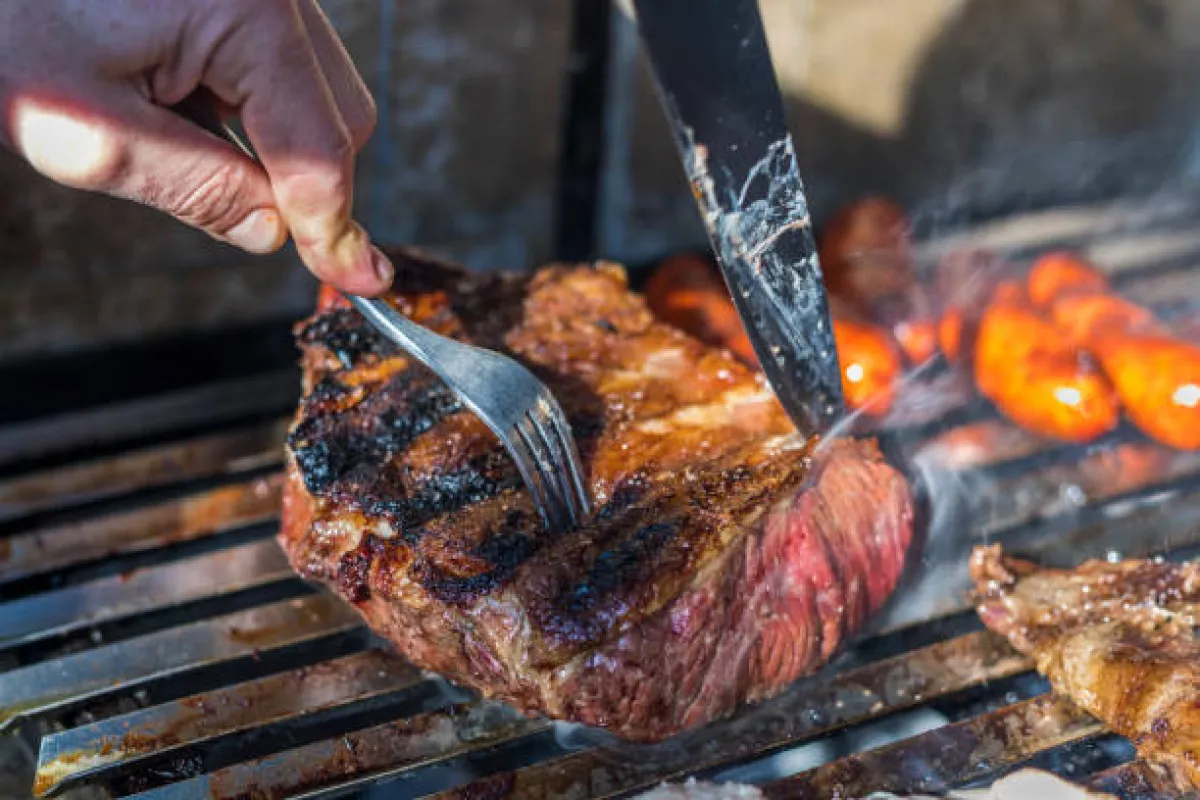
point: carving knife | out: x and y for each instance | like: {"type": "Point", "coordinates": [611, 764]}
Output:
{"type": "Point", "coordinates": [715, 78]}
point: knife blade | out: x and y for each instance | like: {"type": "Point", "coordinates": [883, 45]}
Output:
{"type": "Point", "coordinates": [716, 81]}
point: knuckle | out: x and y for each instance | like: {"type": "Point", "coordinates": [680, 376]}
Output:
{"type": "Point", "coordinates": [341, 147]}
{"type": "Point", "coordinates": [74, 152]}
{"type": "Point", "coordinates": [319, 186]}
{"type": "Point", "coordinates": [213, 201]}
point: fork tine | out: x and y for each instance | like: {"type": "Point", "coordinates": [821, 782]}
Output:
{"type": "Point", "coordinates": [583, 500]}
{"type": "Point", "coordinates": [551, 426]}
{"type": "Point", "coordinates": [510, 400]}
{"type": "Point", "coordinates": [527, 448]}
{"type": "Point", "coordinates": [542, 426]}
{"type": "Point", "coordinates": [526, 462]}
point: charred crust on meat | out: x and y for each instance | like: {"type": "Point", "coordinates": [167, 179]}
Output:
{"type": "Point", "coordinates": [1160, 728]}
{"type": "Point", "coordinates": [330, 395]}
{"type": "Point", "coordinates": [345, 334]}
{"type": "Point", "coordinates": [614, 567]}
{"type": "Point", "coordinates": [354, 572]}
{"type": "Point", "coordinates": [348, 453]}
{"type": "Point", "coordinates": [440, 493]}
{"type": "Point", "coordinates": [505, 549]}
{"type": "Point", "coordinates": [626, 494]}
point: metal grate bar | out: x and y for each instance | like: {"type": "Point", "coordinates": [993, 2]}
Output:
{"type": "Point", "coordinates": [946, 757]}
{"type": "Point", "coordinates": [222, 402]}
{"type": "Point", "coordinates": [1159, 519]}
{"type": "Point", "coordinates": [817, 706]}
{"type": "Point", "coordinates": [1098, 482]}
{"type": "Point", "coordinates": [71, 680]}
{"type": "Point", "coordinates": [201, 457]}
{"type": "Point", "coordinates": [377, 753]}
{"type": "Point", "coordinates": [1043, 230]}
{"type": "Point", "coordinates": [1155, 523]}
{"type": "Point", "coordinates": [1152, 252]}
{"type": "Point", "coordinates": [185, 519]}
{"type": "Point", "coordinates": [89, 751]}
{"type": "Point", "coordinates": [55, 614]}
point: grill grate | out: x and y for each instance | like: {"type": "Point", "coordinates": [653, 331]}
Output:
{"type": "Point", "coordinates": [154, 642]}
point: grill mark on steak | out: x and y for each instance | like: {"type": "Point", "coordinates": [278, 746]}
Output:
{"type": "Point", "coordinates": [443, 493]}
{"type": "Point", "coordinates": [349, 452]}
{"type": "Point", "coordinates": [505, 549]}
{"type": "Point", "coordinates": [613, 566]}
{"type": "Point", "coordinates": [626, 568]}
{"type": "Point", "coordinates": [707, 575]}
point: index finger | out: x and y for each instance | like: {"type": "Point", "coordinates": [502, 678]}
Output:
{"type": "Point", "coordinates": [306, 149]}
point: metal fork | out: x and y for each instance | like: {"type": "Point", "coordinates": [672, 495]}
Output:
{"type": "Point", "coordinates": [519, 409]}
{"type": "Point", "coordinates": [510, 400]}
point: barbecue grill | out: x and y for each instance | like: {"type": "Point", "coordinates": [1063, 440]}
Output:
{"type": "Point", "coordinates": [154, 641]}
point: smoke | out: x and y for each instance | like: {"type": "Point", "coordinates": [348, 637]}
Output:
{"type": "Point", "coordinates": [937, 582]}
{"type": "Point", "coordinates": [981, 477]}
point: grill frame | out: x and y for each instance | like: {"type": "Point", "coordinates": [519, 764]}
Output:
{"type": "Point", "coordinates": [116, 519]}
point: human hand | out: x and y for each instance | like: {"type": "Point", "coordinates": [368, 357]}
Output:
{"type": "Point", "coordinates": [84, 91]}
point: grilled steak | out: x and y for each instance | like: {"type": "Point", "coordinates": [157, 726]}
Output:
{"type": "Point", "coordinates": [725, 558]}
{"type": "Point", "coordinates": [1119, 639]}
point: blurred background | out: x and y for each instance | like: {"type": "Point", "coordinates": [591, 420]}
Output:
{"type": "Point", "coordinates": [959, 109]}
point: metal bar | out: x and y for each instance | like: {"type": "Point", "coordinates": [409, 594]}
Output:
{"type": "Point", "coordinates": [1091, 486]}
{"type": "Point", "coordinates": [581, 161]}
{"type": "Point", "coordinates": [1164, 522]}
{"type": "Point", "coordinates": [1156, 519]}
{"type": "Point", "coordinates": [53, 614]}
{"type": "Point", "coordinates": [1043, 230]}
{"type": "Point", "coordinates": [185, 519]}
{"type": "Point", "coordinates": [68, 681]}
{"type": "Point", "coordinates": [214, 403]}
{"type": "Point", "coordinates": [89, 751]}
{"type": "Point", "coordinates": [226, 452]}
{"type": "Point", "coordinates": [947, 757]}
{"type": "Point", "coordinates": [815, 707]}
{"type": "Point", "coordinates": [378, 753]}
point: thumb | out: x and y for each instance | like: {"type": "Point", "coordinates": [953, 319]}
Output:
{"type": "Point", "coordinates": [118, 143]}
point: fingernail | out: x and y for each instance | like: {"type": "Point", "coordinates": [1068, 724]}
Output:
{"type": "Point", "coordinates": [261, 232]}
{"type": "Point", "coordinates": [382, 266]}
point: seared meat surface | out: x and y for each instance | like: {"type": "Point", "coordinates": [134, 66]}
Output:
{"type": "Point", "coordinates": [1119, 639]}
{"type": "Point", "coordinates": [725, 559]}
